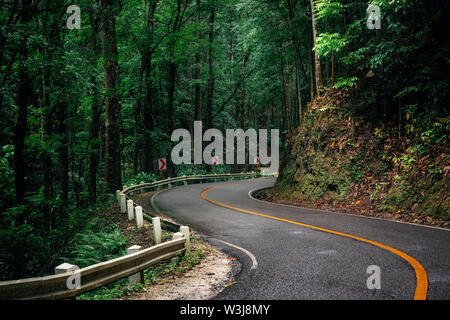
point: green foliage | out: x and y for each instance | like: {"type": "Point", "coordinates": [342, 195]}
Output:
{"type": "Point", "coordinates": [327, 44]}
{"type": "Point", "coordinates": [174, 267]}
{"type": "Point", "coordinates": [141, 177]}
{"type": "Point", "coordinates": [345, 83]}
{"type": "Point", "coordinates": [99, 241]}
{"type": "Point", "coordinates": [186, 170]}
{"type": "Point", "coordinates": [327, 8]}
{"type": "Point", "coordinates": [6, 176]}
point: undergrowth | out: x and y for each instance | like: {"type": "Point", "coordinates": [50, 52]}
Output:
{"type": "Point", "coordinates": [172, 268]}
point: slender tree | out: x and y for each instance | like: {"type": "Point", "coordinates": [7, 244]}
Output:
{"type": "Point", "coordinates": [318, 69]}
{"type": "Point", "coordinates": [113, 176]}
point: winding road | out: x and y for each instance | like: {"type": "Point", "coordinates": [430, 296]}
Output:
{"type": "Point", "coordinates": [298, 253]}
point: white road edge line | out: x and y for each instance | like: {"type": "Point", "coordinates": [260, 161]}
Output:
{"type": "Point", "coordinates": [252, 257]}
{"type": "Point", "coordinates": [347, 214]}
{"type": "Point", "coordinates": [152, 201]}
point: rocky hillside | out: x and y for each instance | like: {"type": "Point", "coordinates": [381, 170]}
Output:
{"type": "Point", "coordinates": [365, 168]}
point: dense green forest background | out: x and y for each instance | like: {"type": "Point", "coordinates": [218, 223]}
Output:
{"type": "Point", "coordinates": [85, 111]}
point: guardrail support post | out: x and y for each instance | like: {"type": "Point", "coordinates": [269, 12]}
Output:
{"type": "Point", "coordinates": [123, 203]}
{"type": "Point", "coordinates": [130, 210]}
{"type": "Point", "coordinates": [137, 277]}
{"type": "Point", "coordinates": [185, 231]}
{"type": "Point", "coordinates": [185, 182]}
{"type": "Point", "coordinates": [139, 217]}
{"type": "Point", "coordinates": [156, 230]}
{"type": "Point", "coordinates": [65, 267]}
{"type": "Point", "coordinates": [177, 235]}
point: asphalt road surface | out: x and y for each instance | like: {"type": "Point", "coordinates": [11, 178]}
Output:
{"type": "Point", "coordinates": [284, 257]}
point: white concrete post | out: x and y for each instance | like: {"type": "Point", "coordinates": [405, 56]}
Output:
{"type": "Point", "coordinates": [137, 277]}
{"type": "Point", "coordinates": [118, 196]}
{"type": "Point", "coordinates": [123, 203]}
{"type": "Point", "coordinates": [65, 267]}
{"type": "Point", "coordinates": [156, 230]}
{"type": "Point", "coordinates": [139, 217]}
{"type": "Point", "coordinates": [185, 181]}
{"type": "Point", "coordinates": [185, 231]}
{"type": "Point", "coordinates": [130, 210]}
{"type": "Point", "coordinates": [177, 235]}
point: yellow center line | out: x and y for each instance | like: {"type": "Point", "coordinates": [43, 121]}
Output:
{"type": "Point", "coordinates": [421, 274]}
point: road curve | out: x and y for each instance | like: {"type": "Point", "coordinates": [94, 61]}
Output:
{"type": "Point", "coordinates": [298, 258]}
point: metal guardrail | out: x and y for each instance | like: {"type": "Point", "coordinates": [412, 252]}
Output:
{"type": "Point", "coordinates": [170, 225]}
{"type": "Point", "coordinates": [91, 277]}
{"type": "Point", "coordinates": [142, 186]}
{"type": "Point", "coordinates": [94, 276]}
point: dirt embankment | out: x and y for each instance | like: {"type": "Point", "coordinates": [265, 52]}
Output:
{"type": "Point", "coordinates": [356, 166]}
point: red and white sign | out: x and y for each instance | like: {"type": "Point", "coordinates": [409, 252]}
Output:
{"type": "Point", "coordinates": [256, 160]}
{"type": "Point", "coordinates": [162, 164]}
{"type": "Point", "coordinates": [215, 160]}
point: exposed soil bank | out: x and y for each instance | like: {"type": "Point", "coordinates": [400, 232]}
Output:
{"type": "Point", "coordinates": [351, 164]}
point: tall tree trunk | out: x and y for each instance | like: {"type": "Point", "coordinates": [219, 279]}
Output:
{"type": "Point", "coordinates": [197, 72]}
{"type": "Point", "coordinates": [94, 130]}
{"type": "Point", "coordinates": [209, 104]}
{"type": "Point", "coordinates": [332, 66]}
{"type": "Point", "coordinates": [233, 108]}
{"type": "Point", "coordinates": [47, 160]}
{"type": "Point", "coordinates": [173, 68]}
{"type": "Point", "coordinates": [318, 69]}
{"type": "Point", "coordinates": [61, 108]}
{"type": "Point", "coordinates": [298, 88]}
{"type": "Point", "coordinates": [113, 177]}
{"type": "Point", "coordinates": [298, 63]}
{"type": "Point", "coordinates": [311, 78]}
{"type": "Point", "coordinates": [172, 79]}
{"type": "Point", "coordinates": [137, 130]}
{"type": "Point", "coordinates": [287, 87]}
{"type": "Point", "coordinates": [24, 98]}
{"type": "Point", "coordinates": [148, 110]}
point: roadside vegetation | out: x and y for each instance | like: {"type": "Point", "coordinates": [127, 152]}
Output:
{"type": "Point", "coordinates": [176, 267]}
{"type": "Point", "coordinates": [368, 169]}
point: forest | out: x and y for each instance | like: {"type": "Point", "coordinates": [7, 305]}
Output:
{"type": "Point", "coordinates": [362, 108]}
